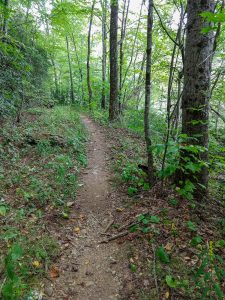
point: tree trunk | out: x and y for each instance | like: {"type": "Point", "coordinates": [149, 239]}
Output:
{"type": "Point", "coordinates": [113, 103]}
{"type": "Point", "coordinates": [5, 17]}
{"type": "Point", "coordinates": [148, 94]}
{"type": "Point", "coordinates": [104, 52]}
{"type": "Point", "coordinates": [79, 67]}
{"type": "Point", "coordinates": [89, 56]}
{"type": "Point", "coordinates": [195, 100]}
{"type": "Point", "coordinates": [71, 73]}
{"type": "Point", "coordinates": [133, 47]}
{"type": "Point", "coordinates": [55, 77]}
{"type": "Point", "coordinates": [122, 37]}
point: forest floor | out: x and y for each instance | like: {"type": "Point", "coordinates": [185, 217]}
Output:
{"type": "Point", "coordinates": [87, 226]}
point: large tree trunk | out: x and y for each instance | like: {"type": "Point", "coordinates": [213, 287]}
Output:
{"type": "Point", "coordinates": [70, 70]}
{"type": "Point", "coordinates": [113, 103]}
{"type": "Point", "coordinates": [89, 56]}
{"type": "Point", "coordinates": [195, 100]}
{"type": "Point", "coordinates": [148, 94]}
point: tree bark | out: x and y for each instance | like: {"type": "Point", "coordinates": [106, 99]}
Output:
{"type": "Point", "coordinates": [133, 47]}
{"type": "Point", "coordinates": [5, 17]}
{"type": "Point", "coordinates": [148, 94]}
{"type": "Point", "coordinates": [79, 67]}
{"type": "Point", "coordinates": [196, 93]}
{"type": "Point", "coordinates": [89, 56]}
{"type": "Point", "coordinates": [113, 103]}
{"type": "Point", "coordinates": [104, 52]}
{"type": "Point", "coordinates": [122, 37]}
{"type": "Point", "coordinates": [71, 73]}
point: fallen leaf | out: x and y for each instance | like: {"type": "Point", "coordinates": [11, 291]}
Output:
{"type": "Point", "coordinates": [169, 246]}
{"type": "Point", "coordinates": [36, 263]}
{"type": "Point", "coordinates": [82, 217]}
{"type": "Point", "coordinates": [77, 230]}
{"type": "Point", "coordinates": [119, 209]}
{"type": "Point", "coordinates": [54, 272]}
{"type": "Point", "coordinates": [167, 295]}
{"type": "Point", "coordinates": [65, 215]}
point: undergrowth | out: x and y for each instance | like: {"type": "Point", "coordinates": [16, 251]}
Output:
{"type": "Point", "coordinates": [175, 254]}
{"type": "Point", "coordinates": [40, 161]}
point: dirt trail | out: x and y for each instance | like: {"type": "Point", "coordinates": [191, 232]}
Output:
{"type": "Point", "coordinates": [91, 270]}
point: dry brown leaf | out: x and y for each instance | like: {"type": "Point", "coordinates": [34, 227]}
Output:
{"type": "Point", "coordinates": [54, 272]}
{"type": "Point", "coordinates": [167, 295]}
{"type": "Point", "coordinates": [169, 246]}
{"type": "Point", "coordinates": [77, 230]}
{"type": "Point", "coordinates": [119, 209]}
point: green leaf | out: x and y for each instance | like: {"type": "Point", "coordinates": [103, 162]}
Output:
{"type": "Point", "coordinates": [146, 229]}
{"type": "Point", "coordinates": [162, 255]}
{"type": "Point", "coordinates": [134, 228]}
{"type": "Point", "coordinates": [154, 219]}
{"type": "Point", "coordinates": [3, 210]}
{"type": "Point", "coordinates": [220, 244]}
{"type": "Point", "coordinates": [140, 218]}
{"type": "Point", "coordinates": [171, 282]}
{"type": "Point", "coordinates": [196, 240]}
{"type": "Point", "coordinates": [133, 268]}
{"type": "Point", "coordinates": [191, 226]}
{"type": "Point", "coordinates": [218, 291]}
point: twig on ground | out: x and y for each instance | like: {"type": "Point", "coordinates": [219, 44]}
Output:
{"type": "Point", "coordinates": [130, 224]}
{"type": "Point", "coordinates": [117, 236]}
{"type": "Point", "coordinates": [93, 216]}
{"type": "Point", "coordinates": [108, 226]}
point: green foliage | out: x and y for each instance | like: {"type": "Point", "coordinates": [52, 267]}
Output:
{"type": "Point", "coordinates": [210, 274]}
{"type": "Point", "coordinates": [175, 283]}
{"type": "Point", "coordinates": [196, 240]}
{"type": "Point", "coordinates": [15, 273]}
{"type": "Point", "coordinates": [162, 255]}
{"type": "Point", "coordinates": [191, 226]}
{"type": "Point", "coordinates": [34, 189]}
{"type": "Point", "coordinates": [24, 66]}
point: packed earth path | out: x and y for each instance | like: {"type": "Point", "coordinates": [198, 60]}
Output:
{"type": "Point", "coordinates": [88, 268]}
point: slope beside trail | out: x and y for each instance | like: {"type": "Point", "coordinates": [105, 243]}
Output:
{"type": "Point", "coordinates": [90, 270]}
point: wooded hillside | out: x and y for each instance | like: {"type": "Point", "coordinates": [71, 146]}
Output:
{"type": "Point", "coordinates": [112, 110]}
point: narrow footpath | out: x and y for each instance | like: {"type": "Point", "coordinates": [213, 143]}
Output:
{"type": "Point", "coordinates": [91, 270]}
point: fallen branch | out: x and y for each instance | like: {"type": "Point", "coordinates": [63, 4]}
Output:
{"type": "Point", "coordinates": [130, 224]}
{"type": "Point", "coordinates": [108, 226]}
{"type": "Point", "coordinates": [117, 236]}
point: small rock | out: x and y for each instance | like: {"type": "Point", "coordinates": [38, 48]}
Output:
{"type": "Point", "coordinates": [74, 269]}
{"type": "Point", "coordinates": [48, 290]}
{"type": "Point", "coordinates": [66, 246]}
{"type": "Point", "coordinates": [69, 204]}
{"type": "Point", "coordinates": [146, 283]}
{"type": "Point", "coordinates": [88, 273]}
{"type": "Point", "coordinates": [89, 283]}
{"type": "Point", "coordinates": [113, 272]}
{"type": "Point", "coordinates": [113, 261]}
